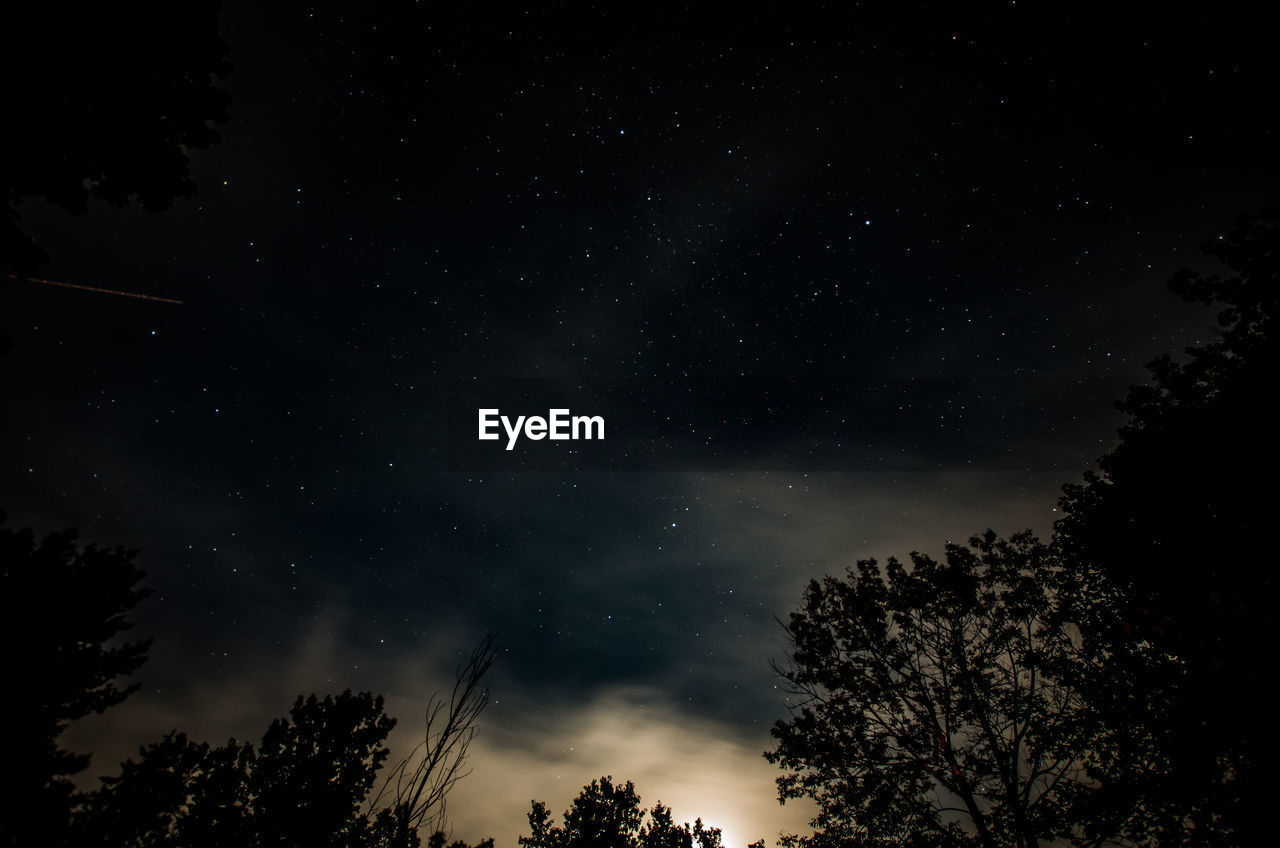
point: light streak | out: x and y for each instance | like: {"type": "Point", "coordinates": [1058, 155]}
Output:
{"type": "Point", "coordinates": [95, 289]}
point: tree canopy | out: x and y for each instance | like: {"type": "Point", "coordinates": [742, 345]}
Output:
{"type": "Point", "coordinates": [113, 99]}
{"type": "Point", "coordinates": [1175, 497]}
{"type": "Point", "coordinates": [608, 815]}
{"type": "Point", "coordinates": [938, 705]}
{"type": "Point", "coordinates": [62, 607]}
{"type": "Point", "coordinates": [1103, 687]}
{"type": "Point", "coordinates": [1175, 516]}
{"type": "Point", "coordinates": [304, 785]}
{"type": "Point", "coordinates": [311, 781]}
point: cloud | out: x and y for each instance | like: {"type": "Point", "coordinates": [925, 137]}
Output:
{"type": "Point", "coordinates": [698, 766]}
{"type": "Point", "coordinates": [675, 693]}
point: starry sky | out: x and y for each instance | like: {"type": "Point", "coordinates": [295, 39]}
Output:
{"type": "Point", "coordinates": [900, 261]}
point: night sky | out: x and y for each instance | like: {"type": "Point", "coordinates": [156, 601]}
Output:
{"type": "Point", "coordinates": [973, 215]}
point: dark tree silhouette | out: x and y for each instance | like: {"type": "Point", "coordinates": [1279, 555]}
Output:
{"type": "Point", "coordinates": [438, 840]}
{"type": "Point", "coordinates": [176, 793]}
{"type": "Point", "coordinates": [307, 784]}
{"type": "Point", "coordinates": [310, 776]}
{"type": "Point", "coordinates": [605, 815]}
{"type": "Point", "coordinates": [304, 786]}
{"type": "Point", "coordinates": [105, 102]}
{"type": "Point", "coordinates": [1177, 515]}
{"type": "Point", "coordinates": [62, 607]}
{"type": "Point", "coordinates": [937, 705]}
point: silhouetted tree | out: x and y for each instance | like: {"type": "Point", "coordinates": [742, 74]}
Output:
{"type": "Point", "coordinates": [311, 775]}
{"type": "Point", "coordinates": [104, 101]}
{"type": "Point", "coordinates": [306, 785]}
{"type": "Point", "coordinates": [938, 704]}
{"type": "Point", "coordinates": [61, 607]}
{"type": "Point", "coordinates": [1176, 515]}
{"type": "Point", "coordinates": [176, 793]}
{"type": "Point", "coordinates": [438, 840]}
{"type": "Point", "coordinates": [303, 786]}
{"type": "Point", "coordinates": [605, 815]}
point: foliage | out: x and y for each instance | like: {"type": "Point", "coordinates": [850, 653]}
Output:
{"type": "Point", "coordinates": [1175, 516]}
{"type": "Point", "coordinates": [112, 99]}
{"type": "Point", "coordinates": [438, 840]}
{"type": "Point", "coordinates": [309, 782]}
{"type": "Point", "coordinates": [176, 793]}
{"type": "Point", "coordinates": [311, 776]}
{"type": "Point", "coordinates": [605, 815]}
{"type": "Point", "coordinates": [1176, 490]}
{"type": "Point", "coordinates": [62, 608]}
{"type": "Point", "coordinates": [304, 785]}
{"type": "Point", "coordinates": [937, 703]}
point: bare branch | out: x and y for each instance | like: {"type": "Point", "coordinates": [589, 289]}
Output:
{"type": "Point", "coordinates": [417, 787]}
